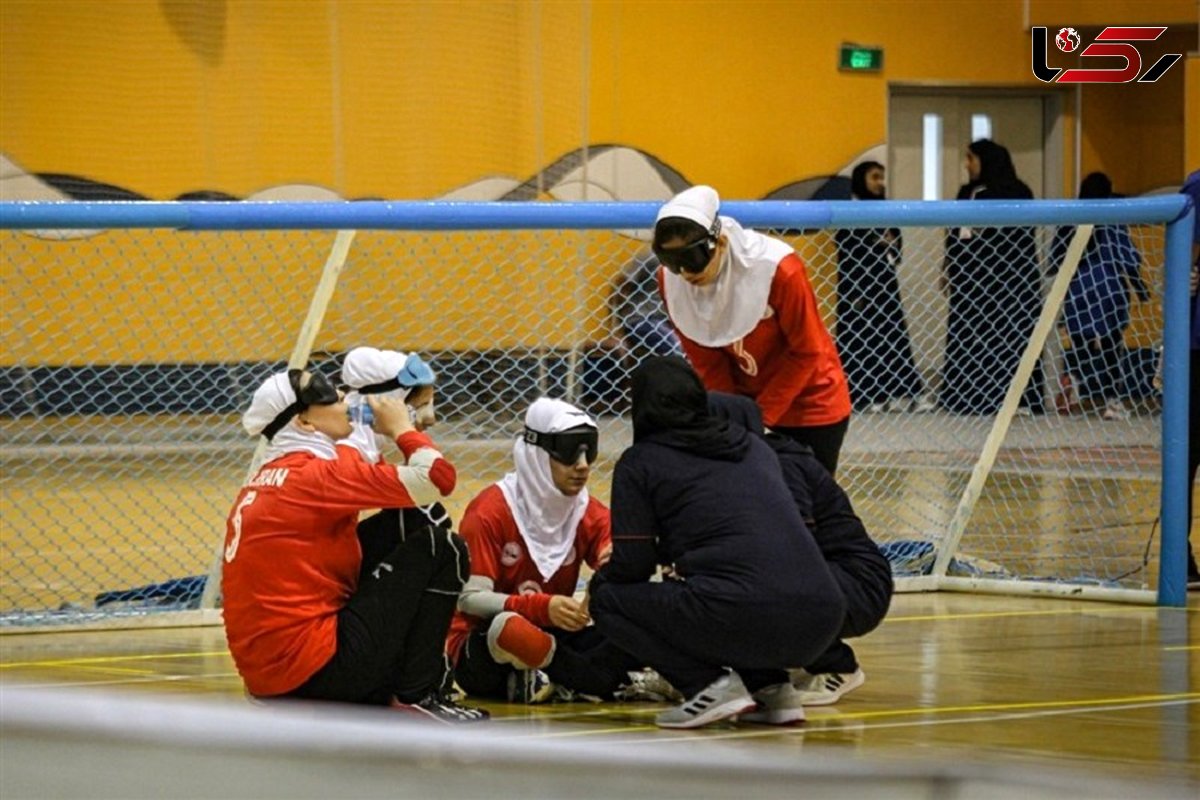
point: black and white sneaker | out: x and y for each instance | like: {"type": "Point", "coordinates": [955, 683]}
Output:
{"type": "Point", "coordinates": [435, 706]}
{"type": "Point", "coordinates": [723, 698]}
{"type": "Point", "coordinates": [828, 687]}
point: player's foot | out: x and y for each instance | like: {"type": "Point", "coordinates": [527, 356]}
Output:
{"type": "Point", "coordinates": [530, 686]}
{"type": "Point", "coordinates": [828, 687]}
{"type": "Point", "coordinates": [647, 685]}
{"type": "Point", "coordinates": [723, 698]}
{"type": "Point", "coordinates": [437, 707]}
{"type": "Point", "coordinates": [777, 705]}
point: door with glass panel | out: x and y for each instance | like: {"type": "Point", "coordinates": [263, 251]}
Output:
{"type": "Point", "coordinates": [928, 134]}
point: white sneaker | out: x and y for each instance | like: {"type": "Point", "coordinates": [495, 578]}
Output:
{"type": "Point", "coordinates": [1115, 409]}
{"type": "Point", "coordinates": [647, 685]}
{"type": "Point", "coordinates": [723, 698]}
{"type": "Point", "coordinates": [777, 705]}
{"type": "Point", "coordinates": [924, 405]}
{"type": "Point", "coordinates": [876, 408]}
{"type": "Point", "coordinates": [899, 405]}
{"type": "Point", "coordinates": [828, 687]}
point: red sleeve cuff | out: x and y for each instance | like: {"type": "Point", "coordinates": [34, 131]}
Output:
{"type": "Point", "coordinates": [443, 475]}
{"type": "Point", "coordinates": [410, 442]}
{"type": "Point", "coordinates": [533, 607]}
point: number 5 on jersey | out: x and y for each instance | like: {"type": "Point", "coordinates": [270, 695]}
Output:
{"type": "Point", "coordinates": [236, 520]}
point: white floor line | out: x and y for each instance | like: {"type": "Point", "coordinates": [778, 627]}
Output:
{"type": "Point", "coordinates": [850, 725]}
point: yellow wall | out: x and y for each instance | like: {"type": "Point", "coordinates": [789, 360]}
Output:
{"type": "Point", "coordinates": [413, 99]}
{"type": "Point", "coordinates": [1135, 131]}
{"type": "Point", "coordinates": [1191, 105]}
{"type": "Point", "coordinates": [1112, 12]}
{"type": "Point", "coordinates": [385, 98]}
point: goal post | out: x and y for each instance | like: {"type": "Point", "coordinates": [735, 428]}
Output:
{"type": "Point", "coordinates": [301, 351]}
{"type": "Point", "coordinates": [135, 333]}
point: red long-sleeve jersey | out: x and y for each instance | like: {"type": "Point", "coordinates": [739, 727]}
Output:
{"type": "Point", "coordinates": [788, 363]}
{"type": "Point", "coordinates": [292, 555]}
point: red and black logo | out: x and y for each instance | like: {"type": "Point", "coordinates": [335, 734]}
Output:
{"type": "Point", "coordinates": [1113, 42]}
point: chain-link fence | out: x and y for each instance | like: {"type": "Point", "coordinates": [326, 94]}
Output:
{"type": "Point", "coordinates": [129, 354]}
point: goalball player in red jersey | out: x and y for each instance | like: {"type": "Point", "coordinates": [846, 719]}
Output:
{"type": "Point", "coordinates": [748, 320]}
{"type": "Point", "coordinates": [305, 616]}
{"type": "Point", "coordinates": [520, 634]}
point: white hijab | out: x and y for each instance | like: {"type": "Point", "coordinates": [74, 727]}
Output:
{"type": "Point", "coordinates": [365, 366]}
{"type": "Point", "coordinates": [546, 518]}
{"type": "Point", "coordinates": [273, 396]}
{"type": "Point", "coordinates": [731, 306]}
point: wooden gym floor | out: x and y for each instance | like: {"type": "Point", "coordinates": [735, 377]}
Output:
{"type": "Point", "coordinates": [1102, 689]}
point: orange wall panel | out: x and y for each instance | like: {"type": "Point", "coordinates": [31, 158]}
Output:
{"type": "Point", "coordinates": [1112, 12]}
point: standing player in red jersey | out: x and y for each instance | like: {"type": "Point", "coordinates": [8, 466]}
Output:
{"type": "Point", "coordinates": [528, 535]}
{"type": "Point", "coordinates": [749, 323]}
{"type": "Point", "coordinates": [305, 616]}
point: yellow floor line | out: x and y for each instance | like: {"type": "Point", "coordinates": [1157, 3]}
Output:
{"type": "Point", "coordinates": [810, 730]}
{"type": "Point", "coordinates": [72, 662]}
{"type": "Point", "coordinates": [108, 670]}
{"type": "Point", "coordinates": [999, 708]}
{"type": "Point", "coordinates": [994, 614]}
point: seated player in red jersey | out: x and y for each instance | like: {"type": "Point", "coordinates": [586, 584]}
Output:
{"type": "Point", "coordinates": [305, 615]}
{"type": "Point", "coordinates": [519, 633]}
{"type": "Point", "coordinates": [369, 371]}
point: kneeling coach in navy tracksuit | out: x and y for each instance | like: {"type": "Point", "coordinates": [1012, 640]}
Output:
{"type": "Point", "coordinates": [748, 593]}
{"type": "Point", "coordinates": [860, 569]}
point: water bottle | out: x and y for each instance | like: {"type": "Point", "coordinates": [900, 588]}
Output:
{"type": "Point", "coordinates": [361, 413]}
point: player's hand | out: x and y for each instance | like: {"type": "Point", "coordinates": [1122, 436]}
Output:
{"type": "Point", "coordinates": [391, 415]}
{"type": "Point", "coordinates": [568, 613]}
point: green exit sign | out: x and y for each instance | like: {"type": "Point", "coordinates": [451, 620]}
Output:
{"type": "Point", "coordinates": [856, 58]}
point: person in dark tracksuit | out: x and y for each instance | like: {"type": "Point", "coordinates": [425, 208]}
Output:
{"type": "Point", "coordinates": [860, 569]}
{"type": "Point", "coordinates": [748, 593]}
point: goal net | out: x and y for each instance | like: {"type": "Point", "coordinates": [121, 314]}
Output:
{"type": "Point", "coordinates": [996, 444]}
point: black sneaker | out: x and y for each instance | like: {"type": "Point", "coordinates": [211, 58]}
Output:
{"type": "Point", "coordinates": [439, 707]}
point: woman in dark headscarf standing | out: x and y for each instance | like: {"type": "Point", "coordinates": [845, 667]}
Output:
{"type": "Point", "coordinates": [995, 293]}
{"type": "Point", "coordinates": [749, 593]}
{"type": "Point", "coordinates": [872, 336]}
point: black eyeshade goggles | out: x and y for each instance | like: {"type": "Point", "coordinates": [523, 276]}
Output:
{"type": "Point", "coordinates": [565, 446]}
{"type": "Point", "coordinates": [319, 392]}
{"type": "Point", "coordinates": [692, 257]}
